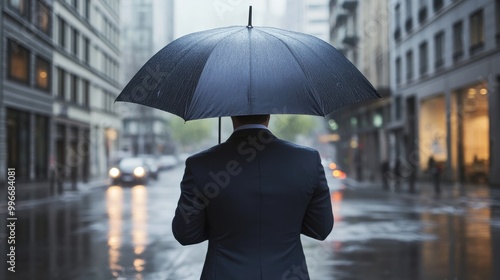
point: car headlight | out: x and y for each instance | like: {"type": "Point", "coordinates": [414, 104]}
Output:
{"type": "Point", "coordinates": [139, 171]}
{"type": "Point", "coordinates": [114, 172]}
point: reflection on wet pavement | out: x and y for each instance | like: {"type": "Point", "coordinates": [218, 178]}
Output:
{"type": "Point", "coordinates": [114, 206]}
{"type": "Point", "coordinates": [124, 233]}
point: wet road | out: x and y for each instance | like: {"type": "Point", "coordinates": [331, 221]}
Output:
{"type": "Point", "coordinates": [124, 233]}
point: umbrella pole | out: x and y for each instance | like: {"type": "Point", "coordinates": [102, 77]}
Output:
{"type": "Point", "coordinates": [220, 121]}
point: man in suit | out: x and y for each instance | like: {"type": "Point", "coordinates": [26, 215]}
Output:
{"type": "Point", "coordinates": [251, 198]}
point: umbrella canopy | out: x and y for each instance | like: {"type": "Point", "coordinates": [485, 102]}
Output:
{"type": "Point", "coordinates": [245, 70]}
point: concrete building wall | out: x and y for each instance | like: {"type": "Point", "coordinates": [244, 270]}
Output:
{"type": "Point", "coordinates": [359, 30]}
{"type": "Point", "coordinates": [140, 42]}
{"type": "Point", "coordinates": [316, 17]}
{"type": "Point", "coordinates": [458, 72]}
{"type": "Point", "coordinates": [96, 62]}
{"type": "Point", "coordinates": [26, 104]}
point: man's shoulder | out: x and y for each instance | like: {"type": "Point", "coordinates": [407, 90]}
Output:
{"type": "Point", "coordinates": [209, 152]}
{"type": "Point", "coordinates": [227, 147]}
{"type": "Point", "coordinates": [295, 146]}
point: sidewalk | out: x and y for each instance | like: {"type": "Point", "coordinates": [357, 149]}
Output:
{"type": "Point", "coordinates": [454, 191]}
{"type": "Point", "coordinates": [32, 194]}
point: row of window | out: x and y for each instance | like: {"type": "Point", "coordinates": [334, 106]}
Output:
{"type": "Point", "coordinates": [19, 64]}
{"type": "Point", "coordinates": [437, 5]}
{"type": "Point", "coordinates": [81, 7]}
{"type": "Point", "coordinates": [105, 27]}
{"type": "Point", "coordinates": [476, 42]}
{"type": "Point", "coordinates": [70, 87]}
{"type": "Point", "coordinates": [40, 17]}
{"type": "Point", "coordinates": [110, 32]}
{"type": "Point", "coordinates": [77, 90]}
{"type": "Point", "coordinates": [109, 99]}
{"type": "Point", "coordinates": [77, 41]}
{"type": "Point", "coordinates": [18, 125]}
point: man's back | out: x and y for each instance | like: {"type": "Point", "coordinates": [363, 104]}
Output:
{"type": "Point", "coordinates": [252, 197]}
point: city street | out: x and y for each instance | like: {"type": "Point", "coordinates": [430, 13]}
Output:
{"type": "Point", "coordinates": [125, 233]}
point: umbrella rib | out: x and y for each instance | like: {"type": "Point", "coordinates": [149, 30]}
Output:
{"type": "Point", "coordinates": [222, 30]}
{"type": "Point", "coordinates": [325, 45]}
{"type": "Point", "coordinates": [208, 57]}
{"type": "Point", "coordinates": [314, 94]}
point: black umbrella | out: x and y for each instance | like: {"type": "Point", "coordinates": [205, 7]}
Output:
{"type": "Point", "coordinates": [246, 70]}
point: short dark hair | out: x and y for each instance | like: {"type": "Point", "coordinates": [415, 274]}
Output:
{"type": "Point", "coordinates": [252, 119]}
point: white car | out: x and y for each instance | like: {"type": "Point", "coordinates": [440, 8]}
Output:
{"type": "Point", "coordinates": [130, 170]}
{"type": "Point", "coordinates": [167, 162]}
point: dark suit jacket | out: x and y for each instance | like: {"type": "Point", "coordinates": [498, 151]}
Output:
{"type": "Point", "coordinates": [251, 198]}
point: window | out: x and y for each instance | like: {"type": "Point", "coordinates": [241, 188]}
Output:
{"type": "Point", "coordinates": [397, 15]}
{"type": "Point", "coordinates": [398, 70]}
{"type": "Point", "coordinates": [74, 44]}
{"type": "Point", "coordinates": [86, 92]}
{"type": "Point", "coordinates": [18, 62]}
{"type": "Point", "coordinates": [86, 8]}
{"type": "Point", "coordinates": [86, 50]}
{"type": "Point", "coordinates": [21, 6]}
{"type": "Point", "coordinates": [398, 109]}
{"type": "Point", "coordinates": [409, 66]}
{"type": "Point", "coordinates": [437, 4]}
{"type": "Point", "coordinates": [62, 32]}
{"type": "Point", "coordinates": [476, 30]}
{"type": "Point", "coordinates": [397, 22]}
{"type": "Point", "coordinates": [497, 16]}
{"type": "Point", "coordinates": [61, 86]}
{"type": "Point", "coordinates": [423, 58]}
{"type": "Point", "coordinates": [42, 18]}
{"type": "Point", "coordinates": [43, 76]}
{"type": "Point", "coordinates": [439, 49]}
{"type": "Point", "coordinates": [409, 20]}
{"type": "Point", "coordinates": [74, 89]}
{"type": "Point", "coordinates": [408, 8]}
{"type": "Point", "coordinates": [18, 135]}
{"type": "Point", "coordinates": [458, 40]}
{"type": "Point", "coordinates": [422, 11]}
{"type": "Point", "coordinates": [41, 146]}
{"type": "Point", "coordinates": [74, 3]}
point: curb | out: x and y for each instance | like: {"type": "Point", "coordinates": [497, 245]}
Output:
{"type": "Point", "coordinates": [67, 195]}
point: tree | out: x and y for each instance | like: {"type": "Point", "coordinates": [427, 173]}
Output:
{"type": "Point", "coordinates": [289, 127]}
{"type": "Point", "coordinates": [191, 134]}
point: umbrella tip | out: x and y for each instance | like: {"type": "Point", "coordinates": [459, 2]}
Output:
{"type": "Point", "coordinates": [249, 17]}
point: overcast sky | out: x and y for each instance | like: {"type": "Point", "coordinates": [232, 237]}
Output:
{"type": "Point", "coordinates": [197, 15]}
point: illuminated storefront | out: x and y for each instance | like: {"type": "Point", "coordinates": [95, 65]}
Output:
{"type": "Point", "coordinates": [468, 154]}
{"type": "Point", "coordinates": [469, 126]}
{"type": "Point", "coordinates": [432, 128]}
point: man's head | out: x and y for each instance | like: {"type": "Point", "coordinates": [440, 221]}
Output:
{"type": "Point", "coordinates": [250, 119]}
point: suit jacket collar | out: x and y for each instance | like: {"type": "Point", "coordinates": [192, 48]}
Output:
{"type": "Point", "coordinates": [256, 132]}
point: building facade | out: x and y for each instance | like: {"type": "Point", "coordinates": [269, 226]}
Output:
{"type": "Point", "coordinates": [445, 84]}
{"type": "Point", "coordinates": [86, 82]}
{"type": "Point", "coordinates": [359, 29]}
{"type": "Point", "coordinates": [145, 129]}
{"type": "Point", "coordinates": [59, 77]}
{"type": "Point", "coordinates": [316, 18]}
{"type": "Point", "coordinates": [26, 106]}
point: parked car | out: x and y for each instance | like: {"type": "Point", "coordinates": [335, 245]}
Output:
{"type": "Point", "coordinates": [130, 170]}
{"type": "Point", "coordinates": [153, 166]}
{"type": "Point", "coordinates": [167, 162]}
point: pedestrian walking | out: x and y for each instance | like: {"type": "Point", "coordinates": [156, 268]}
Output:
{"type": "Point", "coordinates": [251, 198]}
{"type": "Point", "coordinates": [435, 170]}
{"type": "Point", "coordinates": [385, 168]}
